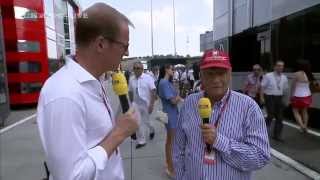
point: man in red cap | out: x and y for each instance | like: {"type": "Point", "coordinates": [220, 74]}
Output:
{"type": "Point", "coordinates": [233, 143]}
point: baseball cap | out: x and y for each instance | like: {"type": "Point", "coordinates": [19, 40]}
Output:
{"type": "Point", "coordinates": [214, 58]}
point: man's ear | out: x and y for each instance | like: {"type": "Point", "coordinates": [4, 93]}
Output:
{"type": "Point", "coordinates": [100, 44]}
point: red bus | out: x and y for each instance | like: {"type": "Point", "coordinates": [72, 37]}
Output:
{"type": "Point", "coordinates": [37, 33]}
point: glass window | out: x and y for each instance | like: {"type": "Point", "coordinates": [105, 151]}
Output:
{"type": "Point", "coordinates": [28, 46]}
{"type": "Point", "coordinates": [3, 85]}
{"type": "Point", "coordinates": [25, 88]}
{"type": "Point", "coordinates": [49, 13]}
{"type": "Point", "coordinates": [221, 7]}
{"type": "Point", "coordinates": [60, 11]}
{"type": "Point", "coordinates": [261, 12]}
{"type": "Point", "coordinates": [3, 97]}
{"type": "Point", "coordinates": [51, 34]}
{"type": "Point", "coordinates": [241, 19]}
{"type": "Point", "coordinates": [71, 15]}
{"type": "Point", "coordinates": [222, 27]}
{"type": "Point", "coordinates": [24, 67]}
{"type": "Point", "coordinates": [297, 37]}
{"type": "Point", "coordinates": [31, 87]}
{"type": "Point", "coordinates": [68, 51]}
{"type": "Point", "coordinates": [52, 49]}
{"type": "Point", "coordinates": [24, 13]}
{"type": "Point", "coordinates": [66, 28]}
{"type": "Point", "coordinates": [67, 44]}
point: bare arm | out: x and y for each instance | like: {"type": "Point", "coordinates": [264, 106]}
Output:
{"type": "Point", "coordinates": [176, 100]}
{"type": "Point", "coordinates": [152, 100]}
{"type": "Point", "coordinates": [293, 84]}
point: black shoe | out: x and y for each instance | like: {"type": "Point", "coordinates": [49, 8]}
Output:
{"type": "Point", "coordinates": [138, 146]}
{"type": "Point", "coordinates": [134, 136]}
{"type": "Point", "coordinates": [151, 136]}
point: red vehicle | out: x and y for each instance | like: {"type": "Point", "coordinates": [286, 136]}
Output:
{"type": "Point", "coordinates": [36, 36]}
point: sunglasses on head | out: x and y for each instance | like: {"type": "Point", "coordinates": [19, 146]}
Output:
{"type": "Point", "coordinates": [137, 68]}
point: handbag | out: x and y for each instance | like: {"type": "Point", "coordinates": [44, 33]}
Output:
{"type": "Point", "coordinates": [161, 117]}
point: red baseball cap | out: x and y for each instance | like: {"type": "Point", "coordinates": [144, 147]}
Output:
{"type": "Point", "coordinates": [214, 58]}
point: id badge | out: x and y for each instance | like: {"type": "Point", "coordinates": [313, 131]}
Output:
{"type": "Point", "coordinates": [209, 157]}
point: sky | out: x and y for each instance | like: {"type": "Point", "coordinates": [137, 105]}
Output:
{"type": "Point", "coordinates": [193, 17]}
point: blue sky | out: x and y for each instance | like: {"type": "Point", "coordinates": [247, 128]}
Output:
{"type": "Point", "coordinates": [192, 18]}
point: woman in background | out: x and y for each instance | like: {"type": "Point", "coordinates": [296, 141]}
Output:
{"type": "Point", "coordinates": [300, 93]}
{"type": "Point", "coordinates": [252, 84]}
{"type": "Point", "coordinates": [170, 99]}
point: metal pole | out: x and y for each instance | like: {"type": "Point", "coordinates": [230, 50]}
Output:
{"type": "Point", "coordinates": [151, 19]}
{"type": "Point", "coordinates": [174, 29]}
{"type": "Point", "coordinates": [213, 24]}
{"type": "Point", "coordinates": [188, 48]}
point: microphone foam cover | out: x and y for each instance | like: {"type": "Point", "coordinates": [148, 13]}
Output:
{"type": "Point", "coordinates": [204, 107]}
{"type": "Point", "coordinates": [119, 84]}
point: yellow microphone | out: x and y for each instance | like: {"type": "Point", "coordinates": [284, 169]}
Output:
{"type": "Point", "coordinates": [119, 84]}
{"type": "Point", "coordinates": [204, 108]}
{"type": "Point", "coordinates": [120, 87]}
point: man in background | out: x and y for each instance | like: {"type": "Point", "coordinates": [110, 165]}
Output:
{"type": "Point", "coordinates": [142, 92]}
{"type": "Point", "coordinates": [275, 86]}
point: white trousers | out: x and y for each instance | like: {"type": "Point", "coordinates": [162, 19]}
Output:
{"type": "Point", "coordinates": [145, 127]}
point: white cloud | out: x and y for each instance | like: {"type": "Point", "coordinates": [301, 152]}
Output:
{"type": "Point", "coordinates": [199, 29]}
{"type": "Point", "coordinates": [209, 3]}
{"type": "Point", "coordinates": [140, 19]}
{"type": "Point", "coordinates": [162, 31]}
{"type": "Point", "coordinates": [193, 17]}
{"type": "Point", "coordinates": [162, 19]}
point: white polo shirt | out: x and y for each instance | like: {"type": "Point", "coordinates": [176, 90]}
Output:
{"type": "Point", "coordinates": [73, 119]}
{"type": "Point", "coordinates": [141, 88]}
{"type": "Point", "coordinates": [273, 84]}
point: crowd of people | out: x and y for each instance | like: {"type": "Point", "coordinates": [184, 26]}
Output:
{"type": "Point", "coordinates": [185, 131]}
{"type": "Point", "coordinates": [81, 133]}
{"type": "Point", "coordinates": [273, 92]}
{"type": "Point", "coordinates": [270, 91]}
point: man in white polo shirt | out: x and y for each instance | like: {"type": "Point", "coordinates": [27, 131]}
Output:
{"type": "Point", "coordinates": [142, 92]}
{"type": "Point", "coordinates": [274, 85]}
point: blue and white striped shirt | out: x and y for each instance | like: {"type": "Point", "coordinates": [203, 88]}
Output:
{"type": "Point", "coordinates": [241, 146]}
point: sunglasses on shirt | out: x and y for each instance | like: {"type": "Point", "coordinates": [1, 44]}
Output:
{"type": "Point", "coordinates": [137, 68]}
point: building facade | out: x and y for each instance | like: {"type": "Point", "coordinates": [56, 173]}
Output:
{"type": "Point", "coordinates": [265, 31]}
{"type": "Point", "coordinates": [206, 41]}
{"type": "Point", "coordinates": [37, 35]}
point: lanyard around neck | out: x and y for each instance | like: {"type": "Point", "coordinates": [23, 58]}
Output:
{"type": "Point", "coordinates": [216, 124]}
{"type": "Point", "coordinates": [278, 80]}
{"type": "Point", "coordinates": [105, 102]}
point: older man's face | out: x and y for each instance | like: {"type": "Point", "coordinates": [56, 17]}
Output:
{"type": "Point", "coordinates": [215, 81]}
{"type": "Point", "coordinates": [138, 69]}
{"type": "Point", "coordinates": [279, 67]}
